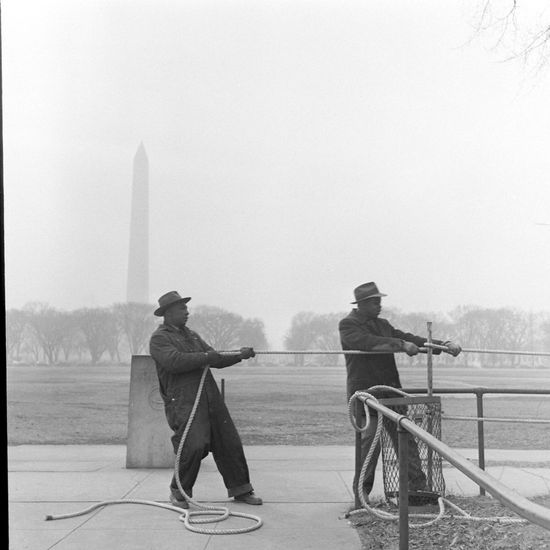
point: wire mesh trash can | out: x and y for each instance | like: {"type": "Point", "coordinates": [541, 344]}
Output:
{"type": "Point", "coordinates": [426, 480]}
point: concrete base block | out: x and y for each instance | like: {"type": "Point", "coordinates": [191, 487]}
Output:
{"type": "Point", "coordinates": [148, 444]}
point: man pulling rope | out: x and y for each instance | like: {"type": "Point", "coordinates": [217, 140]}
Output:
{"type": "Point", "coordinates": [180, 356]}
{"type": "Point", "coordinates": [364, 330]}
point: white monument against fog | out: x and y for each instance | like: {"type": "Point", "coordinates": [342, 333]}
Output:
{"type": "Point", "coordinates": [148, 444]}
{"type": "Point", "coordinates": [137, 288]}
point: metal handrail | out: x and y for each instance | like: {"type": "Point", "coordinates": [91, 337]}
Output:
{"type": "Point", "coordinates": [479, 392]}
{"type": "Point", "coordinates": [522, 506]}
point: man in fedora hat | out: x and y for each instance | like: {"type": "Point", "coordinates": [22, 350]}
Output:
{"type": "Point", "coordinates": [364, 330]}
{"type": "Point", "coordinates": [181, 356]}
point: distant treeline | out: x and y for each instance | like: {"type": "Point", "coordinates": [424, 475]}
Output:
{"type": "Point", "coordinates": [470, 326]}
{"type": "Point", "coordinates": [39, 333]}
{"type": "Point", "coordinates": [42, 334]}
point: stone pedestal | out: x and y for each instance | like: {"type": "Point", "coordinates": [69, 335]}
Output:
{"type": "Point", "coordinates": [148, 444]}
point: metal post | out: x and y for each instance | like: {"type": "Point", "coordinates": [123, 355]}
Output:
{"type": "Point", "coordinates": [403, 444]}
{"type": "Point", "coordinates": [429, 465]}
{"type": "Point", "coordinates": [358, 447]}
{"type": "Point", "coordinates": [480, 435]}
{"type": "Point", "coordinates": [430, 360]}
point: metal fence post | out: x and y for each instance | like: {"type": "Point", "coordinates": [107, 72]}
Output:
{"type": "Point", "coordinates": [430, 394]}
{"type": "Point", "coordinates": [480, 435]}
{"type": "Point", "coordinates": [430, 360]}
{"type": "Point", "coordinates": [403, 444]}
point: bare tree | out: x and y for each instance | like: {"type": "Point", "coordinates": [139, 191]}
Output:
{"type": "Point", "coordinates": [502, 328]}
{"type": "Point", "coordinates": [252, 333]}
{"type": "Point", "coordinates": [48, 327]}
{"type": "Point", "coordinates": [518, 28]}
{"type": "Point", "coordinates": [99, 327]}
{"type": "Point", "coordinates": [324, 329]}
{"type": "Point", "coordinates": [300, 336]}
{"type": "Point", "coordinates": [218, 327]}
{"type": "Point", "coordinates": [136, 322]}
{"type": "Point", "coordinates": [545, 333]}
{"type": "Point", "coordinates": [31, 347]}
{"type": "Point", "coordinates": [71, 338]}
{"type": "Point", "coordinates": [314, 331]}
{"type": "Point", "coordinates": [16, 321]}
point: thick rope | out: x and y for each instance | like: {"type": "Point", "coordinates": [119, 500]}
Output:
{"type": "Point", "coordinates": [221, 512]}
{"type": "Point", "coordinates": [363, 497]}
{"type": "Point", "coordinates": [422, 349]}
{"type": "Point", "coordinates": [491, 351]}
{"type": "Point", "coordinates": [315, 352]}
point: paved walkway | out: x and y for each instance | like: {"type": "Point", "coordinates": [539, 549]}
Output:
{"type": "Point", "coordinates": [305, 490]}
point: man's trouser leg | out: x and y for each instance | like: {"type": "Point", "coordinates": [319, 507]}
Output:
{"type": "Point", "coordinates": [195, 447]}
{"type": "Point", "coordinates": [227, 449]}
{"type": "Point", "coordinates": [417, 478]}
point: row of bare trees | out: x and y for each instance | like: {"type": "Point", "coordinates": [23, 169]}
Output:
{"type": "Point", "coordinates": [472, 327]}
{"type": "Point", "coordinates": [40, 333]}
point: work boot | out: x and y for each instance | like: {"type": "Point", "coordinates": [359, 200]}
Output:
{"type": "Point", "coordinates": [175, 501]}
{"type": "Point", "coordinates": [423, 498]}
{"type": "Point", "coordinates": [249, 498]}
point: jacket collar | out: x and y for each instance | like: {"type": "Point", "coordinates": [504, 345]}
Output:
{"type": "Point", "coordinates": [361, 317]}
{"type": "Point", "coordinates": [172, 328]}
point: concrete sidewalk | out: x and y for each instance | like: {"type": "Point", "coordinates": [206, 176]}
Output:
{"type": "Point", "coordinates": [305, 490]}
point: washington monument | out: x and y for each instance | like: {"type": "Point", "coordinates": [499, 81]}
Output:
{"type": "Point", "coordinates": [137, 288]}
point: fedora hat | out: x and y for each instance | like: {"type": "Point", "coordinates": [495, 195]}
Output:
{"type": "Point", "coordinates": [169, 299]}
{"type": "Point", "coordinates": [366, 291]}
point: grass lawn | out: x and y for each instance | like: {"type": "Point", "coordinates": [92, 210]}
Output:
{"type": "Point", "coordinates": [271, 405]}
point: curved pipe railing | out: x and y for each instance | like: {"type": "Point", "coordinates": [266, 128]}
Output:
{"type": "Point", "coordinates": [522, 506]}
{"type": "Point", "coordinates": [479, 392]}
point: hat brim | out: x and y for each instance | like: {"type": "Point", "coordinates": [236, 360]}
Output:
{"type": "Point", "coordinates": [377, 295]}
{"type": "Point", "coordinates": [159, 312]}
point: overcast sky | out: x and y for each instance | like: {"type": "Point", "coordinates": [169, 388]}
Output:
{"type": "Point", "coordinates": [296, 150]}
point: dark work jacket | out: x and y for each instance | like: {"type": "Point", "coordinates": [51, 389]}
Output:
{"type": "Point", "coordinates": [357, 332]}
{"type": "Point", "coordinates": [180, 358]}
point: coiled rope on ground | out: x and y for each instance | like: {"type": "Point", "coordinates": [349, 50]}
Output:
{"type": "Point", "coordinates": [189, 518]}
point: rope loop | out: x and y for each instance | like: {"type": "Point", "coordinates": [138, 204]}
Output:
{"type": "Point", "coordinates": [361, 396]}
{"type": "Point", "coordinates": [187, 517]}
{"type": "Point", "coordinates": [221, 512]}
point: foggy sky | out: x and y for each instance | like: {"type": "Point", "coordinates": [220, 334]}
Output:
{"type": "Point", "coordinates": [296, 149]}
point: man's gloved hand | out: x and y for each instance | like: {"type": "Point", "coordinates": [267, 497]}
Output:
{"type": "Point", "coordinates": [409, 348]}
{"type": "Point", "coordinates": [247, 353]}
{"type": "Point", "coordinates": [436, 351]}
{"type": "Point", "coordinates": [213, 358]}
{"type": "Point", "coordinates": [453, 349]}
